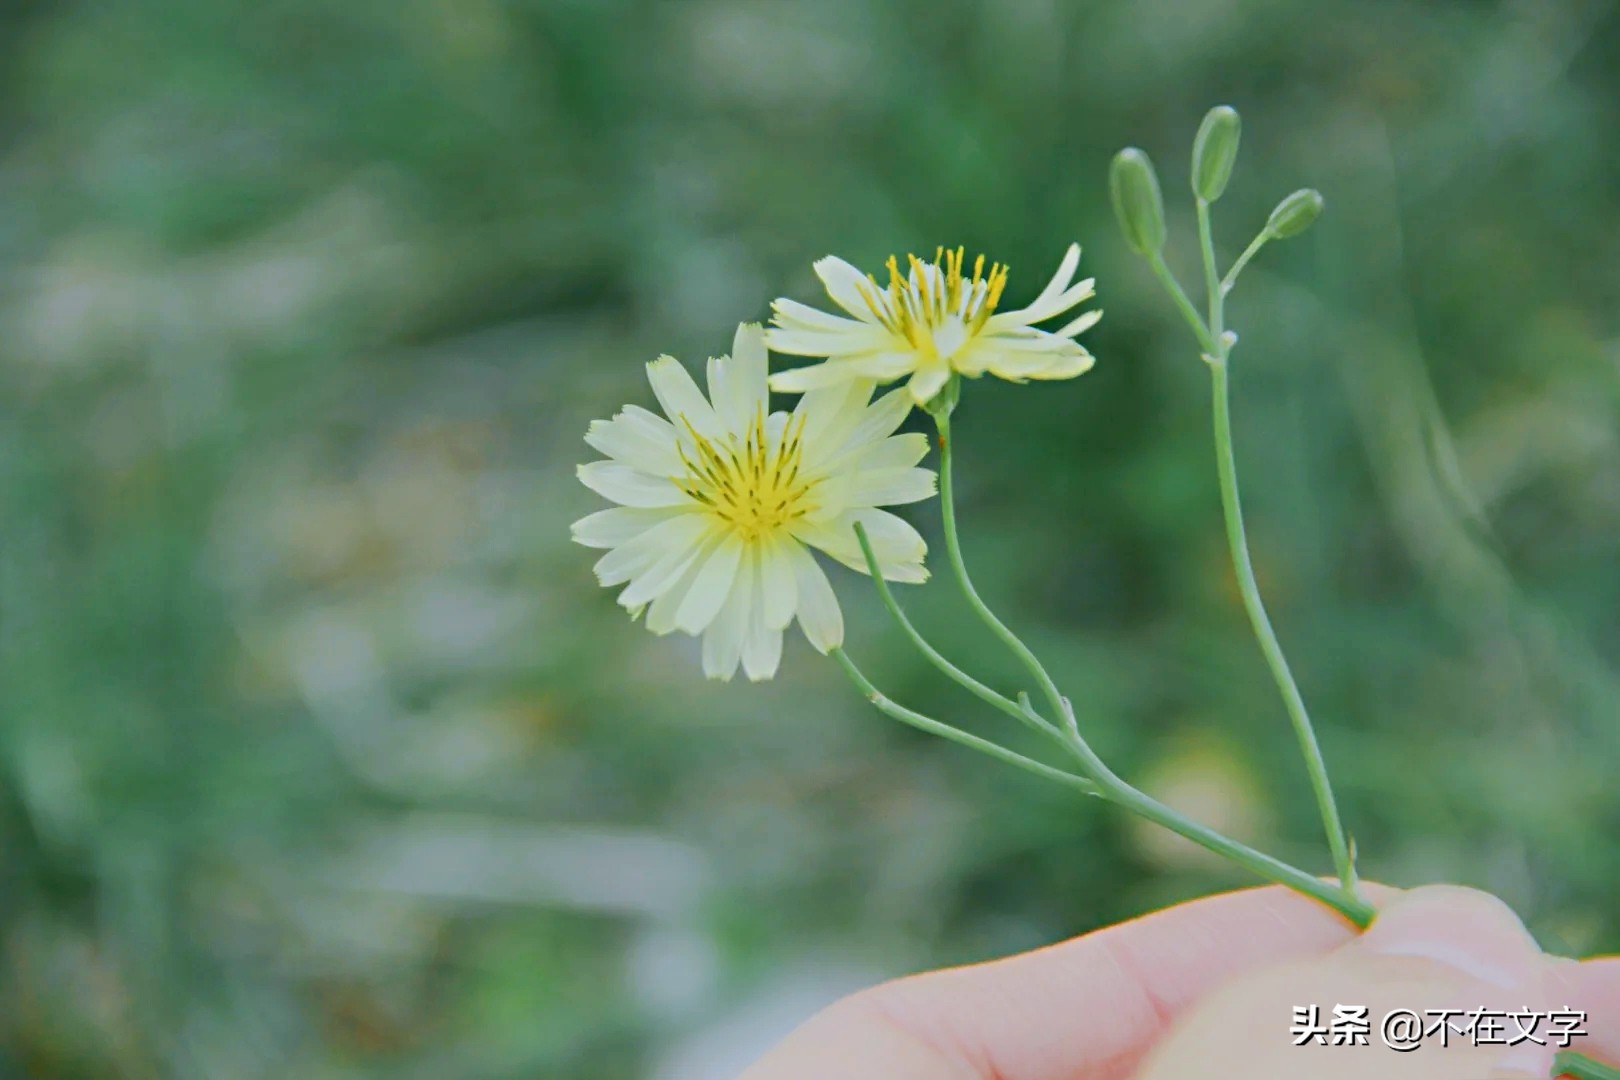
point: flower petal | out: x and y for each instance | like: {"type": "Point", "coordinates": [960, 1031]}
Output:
{"type": "Point", "coordinates": [828, 414]}
{"type": "Point", "coordinates": [1080, 325]}
{"type": "Point", "coordinates": [630, 487]}
{"type": "Point", "coordinates": [778, 590]}
{"type": "Point", "coordinates": [723, 640]}
{"type": "Point", "coordinates": [642, 553]}
{"type": "Point", "coordinates": [882, 417]}
{"type": "Point", "coordinates": [616, 525]}
{"type": "Point", "coordinates": [661, 613]}
{"type": "Point", "coordinates": [710, 588]}
{"type": "Point", "coordinates": [737, 382]}
{"type": "Point", "coordinates": [895, 452]}
{"type": "Point", "coordinates": [1060, 280]}
{"type": "Point", "coordinates": [884, 366]}
{"type": "Point", "coordinates": [639, 439]}
{"type": "Point", "coordinates": [792, 315]}
{"type": "Point", "coordinates": [681, 545]}
{"type": "Point", "coordinates": [898, 548]}
{"type": "Point", "coordinates": [819, 615]}
{"type": "Point", "coordinates": [1055, 363]}
{"type": "Point", "coordinates": [762, 648]}
{"type": "Point", "coordinates": [846, 286]}
{"type": "Point", "coordinates": [814, 377]}
{"type": "Point", "coordinates": [928, 382]}
{"type": "Point", "coordinates": [888, 487]}
{"type": "Point", "coordinates": [850, 339]}
{"type": "Point", "coordinates": [680, 397]}
{"type": "Point", "coordinates": [1057, 297]}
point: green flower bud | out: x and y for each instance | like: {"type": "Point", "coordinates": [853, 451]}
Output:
{"type": "Point", "coordinates": [1294, 214]}
{"type": "Point", "coordinates": [1214, 151]}
{"type": "Point", "coordinates": [1137, 202]}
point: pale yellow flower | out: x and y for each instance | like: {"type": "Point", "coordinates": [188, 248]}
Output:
{"type": "Point", "coordinates": [930, 322]}
{"type": "Point", "coordinates": [720, 504]}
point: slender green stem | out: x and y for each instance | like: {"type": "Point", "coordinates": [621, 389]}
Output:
{"type": "Point", "coordinates": [956, 674]}
{"type": "Point", "coordinates": [1581, 1067]}
{"type": "Point", "coordinates": [1243, 260]}
{"type": "Point", "coordinates": [1237, 540]}
{"type": "Point", "coordinates": [1261, 622]}
{"type": "Point", "coordinates": [1212, 281]}
{"type": "Point", "coordinates": [953, 549]}
{"type": "Point", "coordinates": [955, 734]}
{"type": "Point", "coordinates": [1184, 305]}
{"type": "Point", "coordinates": [1111, 786]}
{"type": "Point", "coordinates": [1343, 900]}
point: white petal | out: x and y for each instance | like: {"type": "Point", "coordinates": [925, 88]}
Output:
{"type": "Point", "coordinates": [778, 593]}
{"type": "Point", "coordinates": [828, 414]}
{"type": "Point", "coordinates": [762, 648]}
{"type": "Point", "coordinates": [710, 587]}
{"type": "Point", "coordinates": [723, 640]}
{"type": "Point", "coordinates": [835, 454]}
{"type": "Point", "coordinates": [1055, 364]}
{"type": "Point", "coordinates": [928, 382]}
{"type": "Point", "coordinates": [898, 548]}
{"type": "Point", "coordinates": [635, 557]}
{"type": "Point", "coordinates": [792, 315]}
{"type": "Point", "coordinates": [1080, 325]}
{"type": "Point", "coordinates": [616, 525]}
{"type": "Point", "coordinates": [1060, 280]}
{"type": "Point", "coordinates": [819, 614]}
{"type": "Point", "coordinates": [895, 452]}
{"type": "Point", "coordinates": [682, 543]}
{"type": "Point", "coordinates": [803, 379]}
{"type": "Point", "coordinates": [882, 417]}
{"type": "Point", "coordinates": [630, 439]}
{"type": "Point", "coordinates": [845, 285]}
{"type": "Point", "coordinates": [857, 339]}
{"type": "Point", "coordinates": [1058, 296]}
{"type": "Point", "coordinates": [680, 396]}
{"type": "Point", "coordinates": [661, 614]}
{"type": "Point", "coordinates": [884, 366]}
{"type": "Point", "coordinates": [737, 382]}
{"type": "Point", "coordinates": [630, 487]}
{"type": "Point", "coordinates": [888, 487]}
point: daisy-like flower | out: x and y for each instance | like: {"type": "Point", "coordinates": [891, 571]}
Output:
{"type": "Point", "coordinates": [721, 502]}
{"type": "Point", "coordinates": [930, 322]}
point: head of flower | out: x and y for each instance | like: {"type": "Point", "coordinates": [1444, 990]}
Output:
{"type": "Point", "coordinates": [720, 501]}
{"type": "Point", "coordinates": [931, 319]}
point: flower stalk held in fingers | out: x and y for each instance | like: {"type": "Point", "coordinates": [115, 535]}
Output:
{"type": "Point", "coordinates": [721, 500]}
{"type": "Point", "coordinates": [932, 319]}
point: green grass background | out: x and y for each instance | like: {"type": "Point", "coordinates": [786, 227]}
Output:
{"type": "Point", "coordinates": [322, 755]}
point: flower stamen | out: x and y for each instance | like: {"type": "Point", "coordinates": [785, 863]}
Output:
{"type": "Point", "coordinates": [751, 487]}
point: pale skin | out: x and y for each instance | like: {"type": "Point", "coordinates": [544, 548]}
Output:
{"type": "Point", "coordinates": [1207, 990]}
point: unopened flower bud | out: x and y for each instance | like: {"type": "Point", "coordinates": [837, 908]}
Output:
{"type": "Point", "coordinates": [1214, 151]}
{"type": "Point", "coordinates": [1295, 214]}
{"type": "Point", "coordinates": [1137, 202]}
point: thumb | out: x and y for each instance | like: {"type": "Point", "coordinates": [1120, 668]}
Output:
{"type": "Point", "coordinates": [1436, 959]}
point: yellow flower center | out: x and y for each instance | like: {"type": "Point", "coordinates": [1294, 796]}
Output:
{"type": "Point", "coordinates": [936, 308]}
{"type": "Point", "coordinates": [751, 485]}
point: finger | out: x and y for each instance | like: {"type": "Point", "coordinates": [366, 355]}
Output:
{"type": "Point", "coordinates": [1593, 987]}
{"type": "Point", "coordinates": [1439, 948]}
{"type": "Point", "coordinates": [1087, 1008]}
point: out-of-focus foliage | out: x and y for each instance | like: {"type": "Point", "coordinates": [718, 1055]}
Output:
{"type": "Point", "coordinates": [321, 754]}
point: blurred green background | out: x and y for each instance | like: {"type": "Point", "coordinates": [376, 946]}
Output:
{"type": "Point", "coordinates": [321, 753]}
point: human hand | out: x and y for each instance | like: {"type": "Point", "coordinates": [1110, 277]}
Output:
{"type": "Point", "coordinates": [1207, 990]}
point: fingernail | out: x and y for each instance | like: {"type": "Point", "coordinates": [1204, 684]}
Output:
{"type": "Point", "coordinates": [1462, 929]}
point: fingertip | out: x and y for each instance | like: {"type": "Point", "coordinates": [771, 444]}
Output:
{"type": "Point", "coordinates": [1593, 986]}
{"type": "Point", "coordinates": [1463, 929]}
